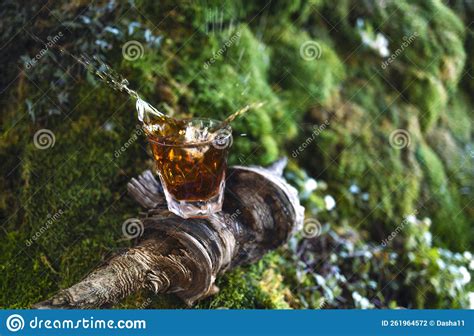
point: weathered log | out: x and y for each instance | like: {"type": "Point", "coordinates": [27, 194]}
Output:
{"type": "Point", "coordinates": [184, 256]}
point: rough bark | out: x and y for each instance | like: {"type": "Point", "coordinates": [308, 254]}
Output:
{"type": "Point", "coordinates": [184, 256]}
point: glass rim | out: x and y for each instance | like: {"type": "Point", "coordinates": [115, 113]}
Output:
{"type": "Point", "coordinates": [226, 128]}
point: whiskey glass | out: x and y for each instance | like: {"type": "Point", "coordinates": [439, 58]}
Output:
{"type": "Point", "coordinates": [192, 167]}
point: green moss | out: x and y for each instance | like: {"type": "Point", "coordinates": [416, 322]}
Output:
{"type": "Point", "coordinates": [458, 117]}
{"type": "Point", "coordinates": [389, 178]}
{"type": "Point", "coordinates": [433, 168]}
{"type": "Point", "coordinates": [452, 227]}
{"type": "Point", "coordinates": [20, 268]}
{"type": "Point", "coordinates": [68, 213]}
{"type": "Point", "coordinates": [246, 82]}
{"type": "Point", "coordinates": [307, 69]}
{"type": "Point", "coordinates": [427, 39]}
{"type": "Point", "coordinates": [258, 286]}
{"type": "Point", "coordinates": [431, 98]}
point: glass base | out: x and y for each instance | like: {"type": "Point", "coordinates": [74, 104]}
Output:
{"type": "Point", "coordinates": [194, 209]}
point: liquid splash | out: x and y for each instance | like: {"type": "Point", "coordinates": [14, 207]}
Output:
{"type": "Point", "coordinates": [155, 123]}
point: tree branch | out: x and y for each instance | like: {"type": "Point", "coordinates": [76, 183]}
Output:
{"type": "Point", "coordinates": [184, 256]}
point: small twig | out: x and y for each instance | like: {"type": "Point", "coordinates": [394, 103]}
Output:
{"type": "Point", "coordinates": [240, 112]}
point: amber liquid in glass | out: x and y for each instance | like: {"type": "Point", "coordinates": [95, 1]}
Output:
{"type": "Point", "coordinates": [190, 173]}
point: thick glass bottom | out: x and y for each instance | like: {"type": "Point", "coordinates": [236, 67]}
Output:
{"type": "Point", "coordinates": [196, 209]}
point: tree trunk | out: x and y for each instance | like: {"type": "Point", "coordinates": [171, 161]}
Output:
{"type": "Point", "coordinates": [184, 256]}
